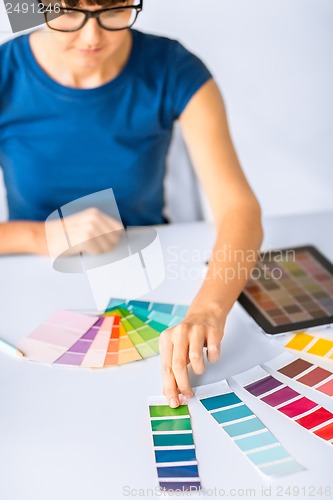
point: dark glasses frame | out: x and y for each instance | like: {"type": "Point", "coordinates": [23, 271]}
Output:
{"type": "Point", "coordinates": [89, 14]}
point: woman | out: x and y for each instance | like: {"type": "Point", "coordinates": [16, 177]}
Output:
{"type": "Point", "coordinates": [88, 104]}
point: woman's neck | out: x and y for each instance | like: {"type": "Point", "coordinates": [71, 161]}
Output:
{"type": "Point", "coordinates": [63, 69]}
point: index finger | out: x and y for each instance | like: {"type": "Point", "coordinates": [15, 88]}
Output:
{"type": "Point", "coordinates": [169, 381]}
{"type": "Point", "coordinates": [179, 365]}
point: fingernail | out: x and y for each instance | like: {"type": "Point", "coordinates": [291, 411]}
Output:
{"type": "Point", "coordinates": [173, 403]}
{"type": "Point", "coordinates": [188, 395]}
{"type": "Point", "coordinates": [182, 398]}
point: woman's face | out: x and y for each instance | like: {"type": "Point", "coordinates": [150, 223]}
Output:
{"type": "Point", "coordinates": [91, 46]}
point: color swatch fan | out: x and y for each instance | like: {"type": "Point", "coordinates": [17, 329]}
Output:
{"type": "Point", "coordinates": [114, 338]}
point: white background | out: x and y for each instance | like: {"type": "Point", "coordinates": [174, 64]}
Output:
{"type": "Point", "coordinates": [272, 59]}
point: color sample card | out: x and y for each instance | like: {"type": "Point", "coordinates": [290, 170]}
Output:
{"type": "Point", "coordinates": [116, 337]}
{"type": "Point", "coordinates": [156, 318]}
{"type": "Point", "coordinates": [247, 431]}
{"type": "Point", "coordinates": [127, 351]}
{"type": "Point", "coordinates": [291, 403]}
{"type": "Point", "coordinates": [96, 355]}
{"type": "Point", "coordinates": [158, 315]}
{"type": "Point", "coordinates": [290, 289]}
{"type": "Point", "coordinates": [77, 352]}
{"type": "Point", "coordinates": [142, 346]}
{"type": "Point", "coordinates": [175, 457]}
{"type": "Point", "coordinates": [311, 345]}
{"type": "Point", "coordinates": [302, 371]}
{"type": "Point", "coordinates": [78, 340]}
{"type": "Point", "coordinates": [56, 336]}
{"type": "Point", "coordinates": [148, 318]}
{"type": "Point", "coordinates": [112, 354]}
{"type": "Point", "coordinates": [149, 335]}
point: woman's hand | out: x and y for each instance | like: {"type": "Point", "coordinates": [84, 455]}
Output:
{"type": "Point", "coordinates": [89, 231]}
{"type": "Point", "coordinates": [183, 344]}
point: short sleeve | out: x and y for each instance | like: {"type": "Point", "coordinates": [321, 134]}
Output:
{"type": "Point", "coordinates": [187, 74]}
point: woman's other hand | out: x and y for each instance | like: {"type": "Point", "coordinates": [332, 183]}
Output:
{"type": "Point", "coordinates": [89, 231]}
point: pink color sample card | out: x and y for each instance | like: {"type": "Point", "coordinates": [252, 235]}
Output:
{"type": "Point", "coordinates": [283, 398]}
{"type": "Point", "coordinates": [56, 336]}
{"type": "Point", "coordinates": [304, 372]}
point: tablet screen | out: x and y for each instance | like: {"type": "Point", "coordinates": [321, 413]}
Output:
{"type": "Point", "coordinates": [290, 289]}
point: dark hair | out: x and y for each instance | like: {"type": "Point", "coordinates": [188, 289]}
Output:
{"type": "Point", "coordinates": [103, 3]}
{"type": "Point", "coordinates": [90, 3]}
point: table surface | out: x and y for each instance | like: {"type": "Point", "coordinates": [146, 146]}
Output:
{"type": "Point", "coordinates": [80, 434]}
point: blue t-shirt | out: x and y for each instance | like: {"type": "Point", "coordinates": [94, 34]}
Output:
{"type": "Point", "coordinates": [59, 143]}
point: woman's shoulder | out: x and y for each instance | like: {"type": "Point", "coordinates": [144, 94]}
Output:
{"type": "Point", "coordinates": [153, 44]}
{"type": "Point", "coordinates": [12, 60]}
{"type": "Point", "coordinates": [153, 39]}
{"type": "Point", "coordinates": [167, 60]}
{"type": "Point", "coordinates": [163, 52]}
{"type": "Point", "coordinates": [12, 45]}
{"type": "Point", "coordinates": [11, 53]}
{"type": "Point", "coordinates": [12, 65]}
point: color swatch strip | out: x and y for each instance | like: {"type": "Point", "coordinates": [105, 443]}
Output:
{"type": "Point", "coordinates": [49, 341]}
{"type": "Point", "coordinates": [247, 431]}
{"type": "Point", "coordinates": [148, 317]}
{"type": "Point", "coordinates": [127, 351]}
{"type": "Point", "coordinates": [175, 457]}
{"type": "Point", "coordinates": [149, 334]}
{"type": "Point", "coordinates": [292, 404]}
{"type": "Point", "coordinates": [303, 372]}
{"type": "Point", "coordinates": [136, 335]}
{"type": "Point", "coordinates": [311, 345]}
{"type": "Point", "coordinates": [158, 315]}
{"type": "Point", "coordinates": [77, 352]}
{"type": "Point", "coordinates": [95, 357]}
{"type": "Point", "coordinates": [112, 354]}
{"type": "Point", "coordinates": [153, 317]}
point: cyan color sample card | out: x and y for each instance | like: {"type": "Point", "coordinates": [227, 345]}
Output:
{"type": "Point", "coordinates": [173, 439]}
{"type": "Point", "coordinates": [244, 427]}
{"type": "Point", "coordinates": [159, 316]}
{"type": "Point", "coordinates": [251, 442]}
{"type": "Point", "coordinates": [247, 431]}
{"type": "Point", "coordinates": [175, 457]}
{"type": "Point", "coordinates": [224, 416]}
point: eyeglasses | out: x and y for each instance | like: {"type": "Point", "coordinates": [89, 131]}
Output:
{"type": "Point", "coordinates": [113, 19]}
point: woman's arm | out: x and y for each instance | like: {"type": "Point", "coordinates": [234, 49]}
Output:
{"type": "Point", "coordinates": [237, 218]}
{"type": "Point", "coordinates": [90, 231]}
{"type": "Point", "coordinates": [19, 237]}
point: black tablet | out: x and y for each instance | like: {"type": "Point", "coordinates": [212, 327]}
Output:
{"type": "Point", "coordinates": [290, 289]}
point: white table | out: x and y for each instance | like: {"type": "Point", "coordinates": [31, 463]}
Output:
{"type": "Point", "coordinates": [79, 434]}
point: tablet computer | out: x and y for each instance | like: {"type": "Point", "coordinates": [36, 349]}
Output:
{"type": "Point", "coordinates": [290, 289]}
